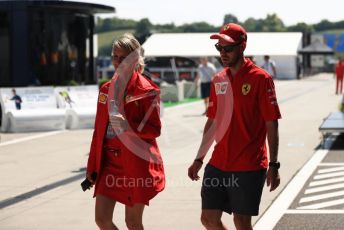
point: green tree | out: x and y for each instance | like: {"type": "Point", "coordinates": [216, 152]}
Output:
{"type": "Point", "coordinates": [143, 29]}
{"type": "Point", "coordinates": [250, 24]}
{"type": "Point", "coordinates": [110, 24]}
{"type": "Point", "coordinates": [272, 23]}
{"type": "Point", "coordinates": [198, 27]}
{"type": "Point", "coordinates": [324, 25]}
{"type": "Point", "coordinates": [301, 27]}
{"type": "Point", "coordinates": [104, 25]}
{"type": "Point", "coordinates": [166, 28]}
{"type": "Point", "coordinates": [230, 18]}
{"type": "Point", "coordinates": [339, 25]}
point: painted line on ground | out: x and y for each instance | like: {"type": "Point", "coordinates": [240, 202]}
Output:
{"type": "Point", "coordinates": [331, 164]}
{"type": "Point", "coordinates": [322, 211]}
{"type": "Point", "coordinates": [283, 201]}
{"type": "Point", "coordinates": [330, 170]}
{"type": "Point", "coordinates": [328, 175]}
{"type": "Point", "coordinates": [322, 196]}
{"type": "Point", "coordinates": [323, 204]}
{"type": "Point", "coordinates": [19, 140]}
{"type": "Point", "coordinates": [327, 181]}
{"type": "Point", "coordinates": [324, 188]}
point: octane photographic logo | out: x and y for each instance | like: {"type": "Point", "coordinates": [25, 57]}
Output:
{"type": "Point", "coordinates": [132, 141]}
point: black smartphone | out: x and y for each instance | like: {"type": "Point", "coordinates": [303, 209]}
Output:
{"type": "Point", "coordinates": [86, 184]}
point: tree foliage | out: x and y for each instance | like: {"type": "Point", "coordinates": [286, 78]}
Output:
{"type": "Point", "coordinates": [198, 27]}
{"type": "Point", "coordinates": [272, 23]}
{"type": "Point", "coordinates": [110, 24]}
{"type": "Point", "coordinates": [301, 27]}
{"type": "Point", "coordinates": [143, 29]}
{"type": "Point", "coordinates": [230, 18]}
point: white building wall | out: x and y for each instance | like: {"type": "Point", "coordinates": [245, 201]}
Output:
{"type": "Point", "coordinates": [286, 66]}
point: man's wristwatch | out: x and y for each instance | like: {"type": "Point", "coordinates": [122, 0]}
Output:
{"type": "Point", "coordinates": [274, 164]}
{"type": "Point", "coordinates": [199, 160]}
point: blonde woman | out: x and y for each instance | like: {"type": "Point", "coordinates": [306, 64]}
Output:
{"type": "Point", "coordinates": [124, 153]}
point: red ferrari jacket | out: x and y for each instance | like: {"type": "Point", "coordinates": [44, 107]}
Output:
{"type": "Point", "coordinates": [138, 145]}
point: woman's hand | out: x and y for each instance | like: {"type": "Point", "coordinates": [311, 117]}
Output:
{"type": "Point", "coordinates": [89, 177]}
{"type": "Point", "coordinates": [118, 122]}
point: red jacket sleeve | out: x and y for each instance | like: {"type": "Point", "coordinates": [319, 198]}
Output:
{"type": "Point", "coordinates": [91, 164]}
{"type": "Point", "coordinates": [148, 126]}
{"type": "Point", "coordinates": [268, 100]}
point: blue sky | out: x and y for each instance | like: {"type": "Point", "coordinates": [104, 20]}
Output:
{"type": "Point", "coordinates": [212, 11]}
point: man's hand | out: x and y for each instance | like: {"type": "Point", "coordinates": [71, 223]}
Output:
{"type": "Point", "coordinates": [272, 178]}
{"type": "Point", "coordinates": [194, 169]}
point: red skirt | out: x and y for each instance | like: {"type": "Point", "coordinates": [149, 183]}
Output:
{"type": "Point", "coordinates": [114, 182]}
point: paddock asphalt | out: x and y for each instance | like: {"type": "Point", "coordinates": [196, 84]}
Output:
{"type": "Point", "coordinates": [41, 172]}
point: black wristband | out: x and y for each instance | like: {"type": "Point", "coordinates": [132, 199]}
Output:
{"type": "Point", "coordinates": [199, 160]}
{"type": "Point", "coordinates": [274, 164]}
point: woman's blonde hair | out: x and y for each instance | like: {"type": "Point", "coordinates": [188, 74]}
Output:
{"type": "Point", "coordinates": [128, 42]}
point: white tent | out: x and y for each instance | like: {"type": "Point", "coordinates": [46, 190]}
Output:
{"type": "Point", "coordinates": [282, 47]}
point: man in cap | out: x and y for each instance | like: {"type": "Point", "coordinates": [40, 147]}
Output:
{"type": "Point", "coordinates": [242, 112]}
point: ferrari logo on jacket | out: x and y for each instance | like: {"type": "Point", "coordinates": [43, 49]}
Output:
{"type": "Point", "coordinates": [245, 89]}
{"type": "Point", "coordinates": [102, 98]}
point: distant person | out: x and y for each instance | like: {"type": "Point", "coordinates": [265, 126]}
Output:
{"type": "Point", "coordinates": [339, 75]}
{"type": "Point", "coordinates": [243, 113]}
{"type": "Point", "coordinates": [269, 66]}
{"type": "Point", "coordinates": [206, 71]}
{"type": "Point", "coordinates": [17, 99]}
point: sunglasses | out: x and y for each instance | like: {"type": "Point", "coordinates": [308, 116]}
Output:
{"type": "Point", "coordinates": [227, 48]}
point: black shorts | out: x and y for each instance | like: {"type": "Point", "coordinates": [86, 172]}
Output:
{"type": "Point", "coordinates": [205, 89]}
{"type": "Point", "coordinates": [237, 192]}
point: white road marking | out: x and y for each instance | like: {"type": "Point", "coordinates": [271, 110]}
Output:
{"type": "Point", "coordinates": [322, 211]}
{"type": "Point", "coordinates": [323, 204]}
{"type": "Point", "coordinates": [16, 141]}
{"type": "Point", "coordinates": [328, 175]}
{"type": "Point", "coordinates": [322, 196]}
{"type": "Point", "coordinates": [330, 170]}
{"type": "Point", "coordinates": [331, 164]}
{"type": "Point", "coordinates": [283, 201]}
{"type": "Point", "coordinates": [327, 181]}
{"type": "Point", "coordinates": [324, 188]}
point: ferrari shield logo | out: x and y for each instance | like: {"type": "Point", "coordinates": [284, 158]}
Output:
{"type": "Point", "coordinates": [102, 98]}
{"type": "Point", "coordinates": [245, 89]}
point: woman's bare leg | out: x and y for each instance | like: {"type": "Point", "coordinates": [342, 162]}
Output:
{"type": "Point", "coordinates": [104, 213]}
{"type": "Point", "coordinates": [133, 216]}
